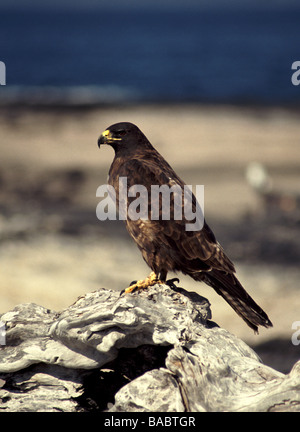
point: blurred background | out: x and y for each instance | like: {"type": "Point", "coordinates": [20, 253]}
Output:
{"type": "Point", "coordinates": [209, 83]}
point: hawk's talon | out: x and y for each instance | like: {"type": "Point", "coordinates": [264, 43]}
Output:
{"type": "Point", "coordinates": [171, 282]}
{"type": "Point", "coordinates": [130, 285]}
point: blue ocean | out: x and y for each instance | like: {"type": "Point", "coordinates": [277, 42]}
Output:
{"type": "Point", "coordinates": [110, 56]}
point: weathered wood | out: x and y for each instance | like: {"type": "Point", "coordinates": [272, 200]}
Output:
{"type": "Point", "coordinates": [153, 350]}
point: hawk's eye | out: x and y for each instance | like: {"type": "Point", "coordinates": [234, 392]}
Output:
{"type": "Point", "coordinates": [121, 133]}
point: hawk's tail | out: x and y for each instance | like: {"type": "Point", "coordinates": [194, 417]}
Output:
{"type": "Point", "coordinates": [228, 286]}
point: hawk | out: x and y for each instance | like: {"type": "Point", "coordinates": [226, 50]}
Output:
{"type": "Point", "coordinates": [166, 245]}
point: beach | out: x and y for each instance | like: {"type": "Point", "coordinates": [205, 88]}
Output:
{"type": "Point", "coordinates": [54, 249]}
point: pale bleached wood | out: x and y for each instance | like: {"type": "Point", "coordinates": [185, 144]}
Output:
{"type": "Point", "coordinates": [153, 350]}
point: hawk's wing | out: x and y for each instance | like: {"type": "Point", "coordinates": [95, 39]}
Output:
{"type": "Point", "coordinates": [191, 251]}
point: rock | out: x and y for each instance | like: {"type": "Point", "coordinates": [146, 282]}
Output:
{"type": "Point", "coordinates": [155, 351]}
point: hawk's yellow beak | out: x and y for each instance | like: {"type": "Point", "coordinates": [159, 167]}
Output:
{"type": "Point", "coordinates": [103, 138]}
{"type": "Point", "coordinates": [106, 138]}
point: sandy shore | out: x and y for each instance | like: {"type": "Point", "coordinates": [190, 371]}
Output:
{"type": "Point", "coordinates": [53, 248]}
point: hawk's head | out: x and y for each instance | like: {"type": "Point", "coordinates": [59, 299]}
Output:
{"type": "Point", "coordinates": [123, 136]}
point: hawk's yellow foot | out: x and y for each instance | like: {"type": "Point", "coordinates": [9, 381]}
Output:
{"type": "Point", "coordinates": [151, 280]}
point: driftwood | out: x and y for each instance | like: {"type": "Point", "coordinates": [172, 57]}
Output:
{"type": "Point", "coordinates": [153, 351]}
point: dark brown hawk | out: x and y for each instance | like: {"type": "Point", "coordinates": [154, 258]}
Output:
{"type": "Point", "coordinates": [166, 245]}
